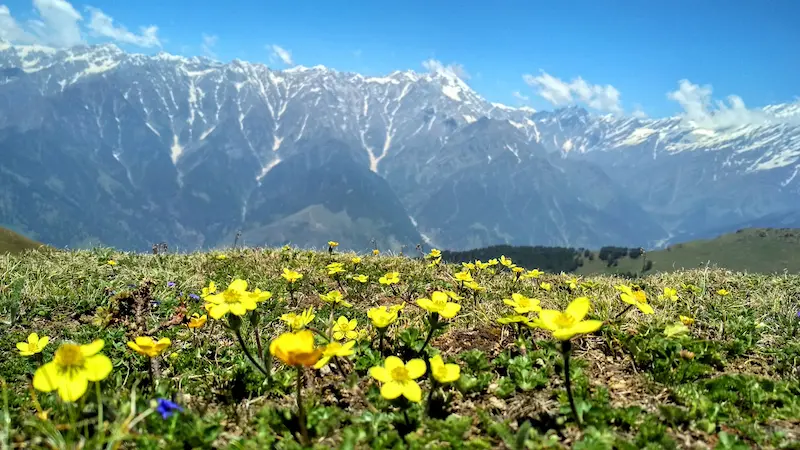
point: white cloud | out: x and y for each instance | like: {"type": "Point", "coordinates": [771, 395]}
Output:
{"type": "Point", "coordinates": [638, 112]}
{"type": "Point", "coordinates": [434, 65]}
{"type": "Point", "coordinates": [11, 31]}
{"type": "Point", "coordinates": [562, 93]}
{"type": "Point", "coordinates": [209, 42]}
{"type": "Point", "coordinates": [522, 98]}
{"type": "Point", "coordinates": [700, 111]}
{"type": "Point", "coordinates": [101, 24]}
{"type": "Point", "coordinates": [282, 54]}
{"type": "Point", "coordinates": [57, 23]}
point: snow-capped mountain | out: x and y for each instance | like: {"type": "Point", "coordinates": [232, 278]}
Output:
{"type": "Point", "coordinates": [100, 145]}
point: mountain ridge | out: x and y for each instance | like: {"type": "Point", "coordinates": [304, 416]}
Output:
{"type": "Point", "coordinates": [161, 132]}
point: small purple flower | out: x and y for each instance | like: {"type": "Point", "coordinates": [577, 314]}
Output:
{"type": "Point", "coordinates": [798, 314]}
{"type": "Point", "coordinates": [194, 296]}
{"type": "Point", "coordinates": [171, 284]}
{"type": "Point", "coordinates": [167, 408]}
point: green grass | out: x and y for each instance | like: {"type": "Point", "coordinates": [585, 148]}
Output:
{"type": "Point", "coordinates": [731, 382]}
{"type": "Point", "coordinates": [749, 250]}
{"type": "Point", "coordinates": [11, 242]}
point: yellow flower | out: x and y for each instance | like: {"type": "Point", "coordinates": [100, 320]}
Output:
{"type": "Point", "coordinates": [71, 370]}
{"type": "Point", "coordinates": [535, 273]}
{"type": "Point", "coordinates": [572, 283]}
{"type": "Point", "coordinates": [674, 330]}
{"type": "Point", "coordinates": [335, 268]}
{"type": "Point", "coordinates": [146, 346]}
{"type": "Point", "coordinates": [197, 321]}
{"type": "Point", "coordinates": [222, 256]}
{"type": "Point", "coordinates": [453, 296]}
{"type": "Point", "coordinates": [723, 292]}
{"type": "Point", "coordinates": [211, 289]}
{"type": "Point", "coordinates": [464, 276]}
{"type": "Point", "coordinates": [444, 373]}
{"type": "Point", "coordinates": [522, 304]}
{"type": "Point", "coordinates": [344, 328]}
{"type": "Point", "coordinates": [516, 269]}
{"type": "Point", "coordinates": [376, 252]}
{"type": "Point", "coordinates": [333, 244]}
{"type": "Point", "coordinates": [435, 253]}
{"type": "Point", "coordinates": [381, 316]}
{"type": "Point", "coordinates": [513, 319]}
{"type": "Point", "coordinates": [569, 323]}
{"type": "Point", "coordinates": [398, 379]}
{"type": "Point", "coordinates": [390, 278]}
{"type": "Point", "coordinates": [435, 262]}
{"type": "Point", "coordinates": [637, 299]}
{"type": "Point", "coordinates": [296, 349]}
{"type": "Point", "coordinates": [546, 286]}
{"type": "Point", "coordinates": [481, 265]}
{"type": "Point", "coordinates": [235, 300]}
{"type": "Point", "coordinates": [670, 294]}
{"type": "Point", "coordinates": [258, 296]}
{"type": "Point", "coordinates": [335, 297]}
{"type": "Point", "coordinates": [355, 260]}
{"type": "Point", "coordinates": [111, 262]}
{"type": "Point", "coordinates": [468, 266]}
{"type": "Point", "coordinates": [474, 286]}
{"type": "Point", "coordinates": [361, 278]}
{"type": "Point", "coordinates": [505, 261]}
{"type": "Point", "coordinates": [493, 262]}
{"type": "Point", "coordinates": [291, 276]}
{"type": "Point", "coordinates": [439, 304]}
{"type": "Point", "coordinates": [299, 321]}
{"type": "Point", "coordinates": [335, 349]}
{"type": "Point", "coordinates": [686, 320]}
{"type": "Point", "coordinates": [397, 308]}
{"type": "Point", "coordinates": [34, 345]}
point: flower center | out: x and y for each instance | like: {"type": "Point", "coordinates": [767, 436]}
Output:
{"type": "Point", "coordinates": [565, 320]}
{"type": "Point", "coordinates": [525, 302]}
{"type": "Point", "coordinates": [69, 356]}
{"type": "Point", "coordinates": [640, 297]}
{"type": "Point", "coordinates": [231, 296]}
{"type": "Point", "coordinates": [400, 374]}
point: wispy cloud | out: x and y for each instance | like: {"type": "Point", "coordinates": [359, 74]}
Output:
{"type": "Point", "coordinates": [562, 93]}
{"type": "Point", "coordinates": [522, 98]}
{"type": "Point", "coordinates": [282, 54]}
{"type": "Point", "coordinates": [102, 25]}
{"type": "Point", "coordinates": [700, 111]}
{"type": "Point", "coordinates": [57, 23]}
{"type": "Point", "coordinates": [209, 42]}
{"type": "Point", "coordinates": [434, 65]}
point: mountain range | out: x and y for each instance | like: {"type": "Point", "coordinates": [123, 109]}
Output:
{"type": "Point", "coordinates": [104, 147]}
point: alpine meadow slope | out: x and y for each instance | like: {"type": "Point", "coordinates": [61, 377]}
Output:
{"type": "Point", "coordinates": [104, 147]}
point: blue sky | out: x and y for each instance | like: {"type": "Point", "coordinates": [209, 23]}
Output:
{"type": "Point", "coordinates": [641, 48]}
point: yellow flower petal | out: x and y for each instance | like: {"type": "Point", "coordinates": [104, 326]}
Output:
{"type": "Point", "coordinates": [45, 378]}
{"type": "Point", "coordinates": [578, 308]}
{"type": "Point", "coordinates": [416, 368]}
{"type": "Point", "coordinates": [380, 374]}
{"type": "Point", "coordinates": [645, 308]}
{"type": "Point", "coordinates": [72, 386]}
{"type": "Point", "coordinates": [393, 362]}
{"type": "Point", "coordinates": [411, 391]}
{"type": "Point", "coordinates": [93, 348]}
{"type": "Point", "coordinates": [392, 389]}
{"type": "Point", "coordinates": [450, 310]}
{"type": "Point", "coordinates": [98, 367]}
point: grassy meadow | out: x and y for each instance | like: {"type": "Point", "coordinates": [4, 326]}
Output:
{"type": "Point", "coordinates": [703, 358]}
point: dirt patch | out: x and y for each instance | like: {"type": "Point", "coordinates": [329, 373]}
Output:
{"type": "Point", "coordinates": [489, 340]}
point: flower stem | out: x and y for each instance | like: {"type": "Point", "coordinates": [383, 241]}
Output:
{"type": "Point", "coordinates": [301, 414]}
{"type": "Point", "coordinates": [247, 352]}
{"type": "Point", "coordinates": [566, 350]}
{"type": "Point", "coordinates": [258, 344]}
{"type": "Point", "coordinates": [622, 313]}
{"type": "Point", "coordinates": [434, 324]}
{"type": "Point", "coordinates": [381, 333]}
{"type": "Point", "coordinates": [98, 392]}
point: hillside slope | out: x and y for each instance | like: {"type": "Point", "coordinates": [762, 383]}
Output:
{"type": "Point", "coordinates": [11, 242]}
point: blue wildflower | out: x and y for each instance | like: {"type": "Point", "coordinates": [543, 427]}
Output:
{"type": "Point", "coordinates": [167, 408]}
{"type": "Point", "coordinates": [171, 284]}
{"type": "Point", "coordinates": [194, 296]}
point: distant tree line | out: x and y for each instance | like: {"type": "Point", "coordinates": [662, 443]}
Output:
{"type": "Point", "coordinates": [549, 259]}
